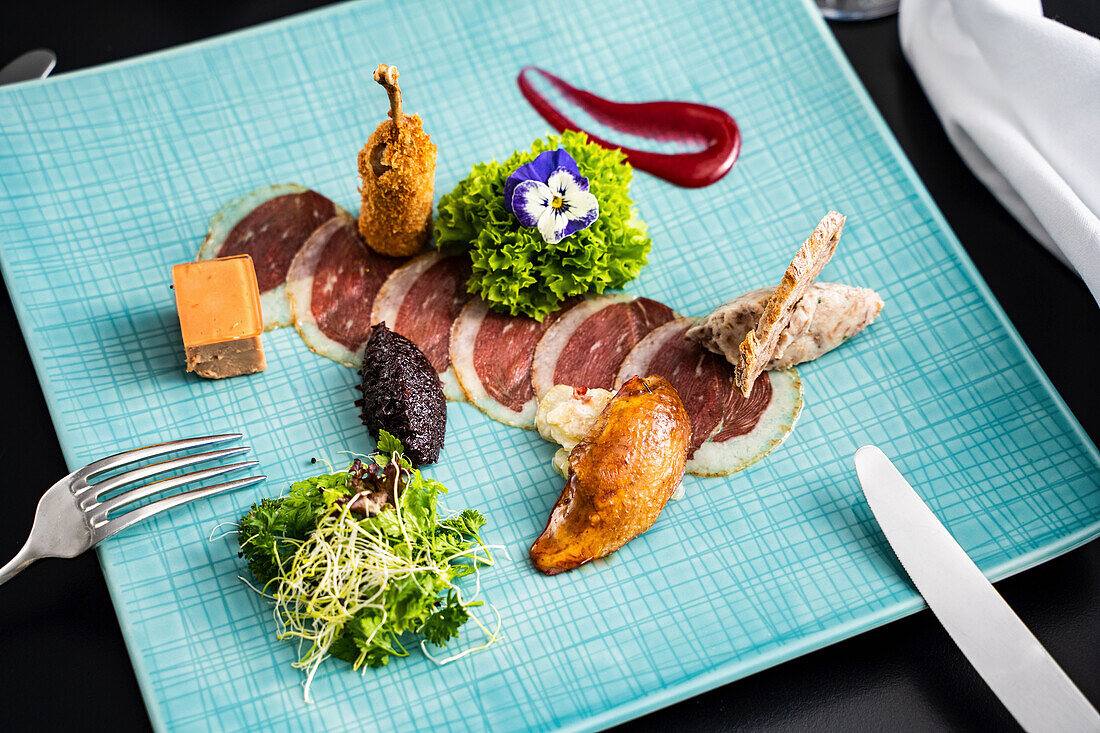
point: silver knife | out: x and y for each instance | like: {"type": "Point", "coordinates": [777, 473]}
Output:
{"type": "Point", "coordinates": [1007, 656]}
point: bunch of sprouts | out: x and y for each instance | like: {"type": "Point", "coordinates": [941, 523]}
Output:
{"type": "Point", "coordinates": [342, 570]}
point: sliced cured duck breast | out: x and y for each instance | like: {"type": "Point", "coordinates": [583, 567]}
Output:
{"type": "Point", "coordinates": [585, 347]}
{"type": "Point", "coordinates": [421, 300]}
{"type": "Point", "coordinates": [270, 224]}
{"type": "Point", "coordinates": [492, 354]}
{"type": "Point", "coordinates": [332, 283]}
{"type": "Point", "coordinates": [729, 431]}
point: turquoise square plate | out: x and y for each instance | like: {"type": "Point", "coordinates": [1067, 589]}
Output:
{"type": "Point", "coordinates": [108, 177]}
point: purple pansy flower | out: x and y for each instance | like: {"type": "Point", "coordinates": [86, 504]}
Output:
{"type": "Point", "coordinates": [550, 194]}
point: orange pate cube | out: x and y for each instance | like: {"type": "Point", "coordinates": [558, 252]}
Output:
{"type": "Point", "coordinates": [220, 318]}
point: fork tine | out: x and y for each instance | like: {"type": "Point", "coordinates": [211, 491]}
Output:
{"type": "Point", "coordinates": [96, 490]}
{"type": "Point", "coordinates": [98, 512]}
{"type": "Point", "coordinates": [117, 524]}
{"type": "Point", "coordinates": [150, 451]}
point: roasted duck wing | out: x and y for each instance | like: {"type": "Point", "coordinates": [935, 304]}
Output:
{"type": "Point", "coordinates": [620, 476]}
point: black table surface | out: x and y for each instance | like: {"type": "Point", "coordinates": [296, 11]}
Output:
{"type": "Point", "coordinates": [64, 664]}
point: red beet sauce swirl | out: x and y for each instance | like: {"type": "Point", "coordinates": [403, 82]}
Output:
{"type": "Point", "coordinates": [665, 120]}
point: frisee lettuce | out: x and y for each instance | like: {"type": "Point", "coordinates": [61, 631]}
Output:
{"type": "Point", "coordinates": [362, 588]}
{"type": "Point", "coordinates": [514, 270]}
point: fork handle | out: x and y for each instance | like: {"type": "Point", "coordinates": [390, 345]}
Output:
{"type": "Point", "coordinates": [22, 559]}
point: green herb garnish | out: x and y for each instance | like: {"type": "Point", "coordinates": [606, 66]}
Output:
{"type": "Point", "coordinates": [359, 564]}
{"type": "Point", "coordinates": [514, 269]}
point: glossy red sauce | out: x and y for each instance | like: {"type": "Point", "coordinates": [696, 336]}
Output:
{"type": "Point", "coordinates": [666, 120]}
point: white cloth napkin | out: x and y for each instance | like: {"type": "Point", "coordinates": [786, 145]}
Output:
{"type": "Point", "coordinates": [1019, 96]}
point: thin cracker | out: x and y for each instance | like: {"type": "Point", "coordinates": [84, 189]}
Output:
{"type": "Point", "coordinates": [759, 344]}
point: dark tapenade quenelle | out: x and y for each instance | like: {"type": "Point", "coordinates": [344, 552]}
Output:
{"type": "Point", "coordinates": [402, 395]}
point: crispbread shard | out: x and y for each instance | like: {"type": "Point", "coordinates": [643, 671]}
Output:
{"type": "Point", "coordinates": [827, 315]}
{"type": "Point", "coordinates": [757, 349]}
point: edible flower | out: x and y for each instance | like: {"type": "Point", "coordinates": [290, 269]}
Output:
{"type": "Point", "coordinates": [550, 194]}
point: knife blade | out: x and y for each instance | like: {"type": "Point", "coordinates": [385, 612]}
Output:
{"type": "Point", "coordinates": [1004, 652]}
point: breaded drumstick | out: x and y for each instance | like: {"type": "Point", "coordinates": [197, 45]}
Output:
{"type": "Point", "coordinates": [397, 168]}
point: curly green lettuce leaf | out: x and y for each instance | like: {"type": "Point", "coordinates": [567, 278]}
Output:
{"type": "Point", "coordinates": [514, 270]}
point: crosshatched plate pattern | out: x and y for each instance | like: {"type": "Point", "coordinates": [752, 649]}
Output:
{"type": "Point", "coordinates": [108, 177]}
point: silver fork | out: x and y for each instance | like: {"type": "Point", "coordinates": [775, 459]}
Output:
{"type": "Point", "coordinates": [71, 518]}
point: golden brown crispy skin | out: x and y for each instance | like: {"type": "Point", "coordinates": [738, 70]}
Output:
{"type": "Point", "coordinates": [397, 168]}
{"type": "Point", "coordinates": [620, 476]}
{"type": "Point", "coordinates": [760, 344]}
